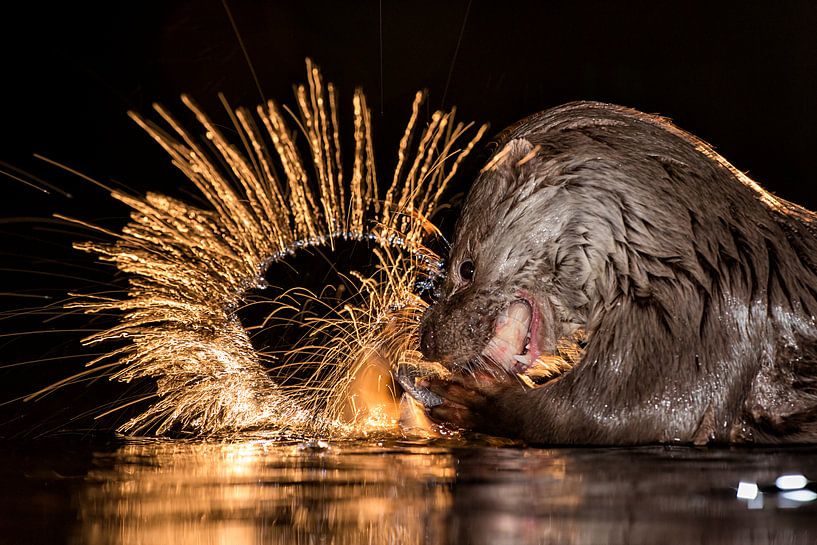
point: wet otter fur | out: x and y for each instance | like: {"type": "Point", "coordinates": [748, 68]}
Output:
{"type": "Point", "coordinates": [696, 291]}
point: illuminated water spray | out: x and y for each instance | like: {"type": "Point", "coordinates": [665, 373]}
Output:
{"type": "Point", "coordinates": [190, 269]}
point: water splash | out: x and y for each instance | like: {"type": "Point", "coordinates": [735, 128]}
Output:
{"type": "Point", "coordinates": [190, 268]}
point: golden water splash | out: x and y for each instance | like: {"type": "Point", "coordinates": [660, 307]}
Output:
{"type": "Point", "coordinates": [189, 269]}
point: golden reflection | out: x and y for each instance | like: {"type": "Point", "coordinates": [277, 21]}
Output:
{"type": "Point", "coordinates": [264, 492]}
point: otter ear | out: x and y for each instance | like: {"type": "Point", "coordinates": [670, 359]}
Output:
{"type": "Point", "coordinates": [513, 155]}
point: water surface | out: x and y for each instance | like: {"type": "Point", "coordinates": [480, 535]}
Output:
{"type": "Point", "coordinates": [442, 491]}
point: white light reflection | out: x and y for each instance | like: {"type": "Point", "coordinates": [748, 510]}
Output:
{"type": "Point", "coordinates": [791, 482]}
{"type": "Point", "coordinates": [801, 496]}
{"type": "Point", "coordinates": [756, 503]}
{"type": "Point", "coordinates": [747, 490]}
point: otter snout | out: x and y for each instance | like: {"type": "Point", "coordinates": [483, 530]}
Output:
{"type": "Point", "coordinates": [455, 329]}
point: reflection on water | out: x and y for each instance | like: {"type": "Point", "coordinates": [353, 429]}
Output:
{"type": "Point", "coordinates": [441, 491]}
{"type": "Point", "coordinates": [260, 492]}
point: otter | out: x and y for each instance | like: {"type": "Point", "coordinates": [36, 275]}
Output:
{"type": "Point", "coordinates": [688, 292]}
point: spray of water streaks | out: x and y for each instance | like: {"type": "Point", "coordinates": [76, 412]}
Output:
{"type": "Point", "coordinates": [190, 268]}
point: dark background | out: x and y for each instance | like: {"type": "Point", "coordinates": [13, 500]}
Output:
{"type": "Point", "coordinates": [742, 76]}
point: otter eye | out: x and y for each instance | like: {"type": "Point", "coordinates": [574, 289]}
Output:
{"type": "Point", "coordinates": [467, 270]}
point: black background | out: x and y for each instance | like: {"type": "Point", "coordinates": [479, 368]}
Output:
{"type": "Point", "coordinates": [742, 76]}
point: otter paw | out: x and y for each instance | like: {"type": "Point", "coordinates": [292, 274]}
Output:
{"type": "Point", "coordinates": [467, 398]}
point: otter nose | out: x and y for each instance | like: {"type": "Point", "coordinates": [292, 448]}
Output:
{"type": "Point", "coordinates": [428, 344]}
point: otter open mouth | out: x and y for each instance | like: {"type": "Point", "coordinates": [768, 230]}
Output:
{"type": "Point", "coordinates": [515, 345]}
{"type": "Point", "coordinates": [518, 346]}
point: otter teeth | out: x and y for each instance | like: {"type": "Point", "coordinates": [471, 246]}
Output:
{"type": "Point", "coordinates": [523, 359]}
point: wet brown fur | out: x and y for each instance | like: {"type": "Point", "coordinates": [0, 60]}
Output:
{"type": "Point", "coordinates": [697, 289]}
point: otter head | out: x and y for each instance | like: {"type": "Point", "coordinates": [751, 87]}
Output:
{"type": "Point", "coordinates": [514, 283]}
